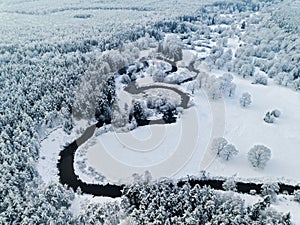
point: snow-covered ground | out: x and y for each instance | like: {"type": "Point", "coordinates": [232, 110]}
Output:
{"type": "Point", "coordinates": [245, 127]}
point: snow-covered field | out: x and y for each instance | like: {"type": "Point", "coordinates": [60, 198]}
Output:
{"type": "Point", "coordinates": [245, 127]}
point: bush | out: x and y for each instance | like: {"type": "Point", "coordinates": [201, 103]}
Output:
{"type": "Point", "coordinates": [269, 118]}
{"type": "Point", "coordinates": [276, 113]}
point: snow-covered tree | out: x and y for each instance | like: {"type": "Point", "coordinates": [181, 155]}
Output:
{"type": "Point", "coordinates": [193, 86]}
{"type": "Point", "coordinates": [171, 48]}
{"type": "Point", "coordinates": [284, 79]}
{"type": "Point", "coordinates": [229, 184]}
{"type": "Point", "coordinates": [269, 118]}
{"type": "Point", "coordinates": [245, 99]}
{"type": "Point", "coordinates": [297, 196]}
{"type": "Point", "coordinates": [260, 79]}
{"type": "Point", "coordinates": [270, 189]}
{"type": "Point", "coordinates": [227, 87]}
{"type": "Point", "coordinates": [158, 75]}
{"type": "Point", "coordinates": [228, 152]}
{"type": "Point", "coordinates": [125, 79]}
{"type": "Point", "coordinates": [213, 88]}
{"type": "Point", "coordinates": [218, 144]}
{"type": "Point", "coordinates": [138, 112]}
{"type": "Point", "coordinates": [276, 113]}
{"type": "Point", "coordinates": [246, 70]}
{"type": "Point", "coordinates": [259, 155]}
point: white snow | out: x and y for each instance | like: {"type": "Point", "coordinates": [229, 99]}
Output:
{"type": "Point", "coordinates": [164, 150]}
{"type": "Point", "coordinates": [245, 127]}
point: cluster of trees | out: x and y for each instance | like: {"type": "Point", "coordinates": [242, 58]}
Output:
{"type": "Point", "coordinates": [140, 112]}
{"type": "Point", "coordinates": [167, 203]}
{"type": "Point", "coordinates": [223, 149]}
{"type": "Point", "coordinates": [39, 87]}
{"type": "Point", "coordinates": [258, 155]}
{"type": "Point", "coordinates": [273, 53]}
{"type": "Point", "coordinates": [36, 92]}
{"type": "Point", "coordinates": [171, 48]}
{"type": "Point", "coordinates": [95, 94]}
{"type": "Point", "coordinates": [216, 87]}
{"type": "Point", "coordinates": [271, 49]}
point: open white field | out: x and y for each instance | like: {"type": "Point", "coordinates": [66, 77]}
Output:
{"type": "Point", "coordinates": [245, 127]}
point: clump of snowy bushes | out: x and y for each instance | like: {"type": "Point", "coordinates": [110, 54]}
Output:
{"type": "Point", "coordinates": [270, 116]}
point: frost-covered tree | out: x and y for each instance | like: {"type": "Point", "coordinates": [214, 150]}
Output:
{"type": "Point", "coordinates": [114, 59]}
{"type": "Point", "coordinates": [213, 88]}
{"type": "Point", "coordinates": [193, 86]}
{"type": "Point", "coordinates": [246, 70]}
{"type": "Point", "coordinates": [227, 87]}
{"type": "Point", "coordinates": [270, 189]}
{"type": "Point", "coordinates": [96, 213]}
{"type": "Point", "coordinates": [227, 56]}
{"type": "Point", "coordinates": [171, 48]}
{"type": "Point", "coordinates": [158, 75]}
{"type": "Point", "coordinates": [245, 99]}
{"type": "Point", "coordinates": [219, 63]}
{"type": "Point", "coordinates": [218, 144]}
{"type": "Point", "coordinates": [228, 152]}
{"type": "Point", "coordinates": [296, 84]}
{"type": "Point", "coordinates": [229, 184]}
{"type": "Point", "coordinates": [224, 150]}
{"type": "Point", "coordinates": [284, 78]}
{"type": "Point", "coordinates": [125, 79]}
{"type": "Point", "coordinates": [260, 79]}
{"type": "Point", "coordinates": [138, 112]}
{"type": "Point", "coordinates": [259, 155]}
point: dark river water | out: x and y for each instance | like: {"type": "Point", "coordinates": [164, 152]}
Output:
{"type": "Point", "coordinates": [66, 162]}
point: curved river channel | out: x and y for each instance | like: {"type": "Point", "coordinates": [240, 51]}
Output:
{"type": "Point", "coordinates": [66, 162]}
